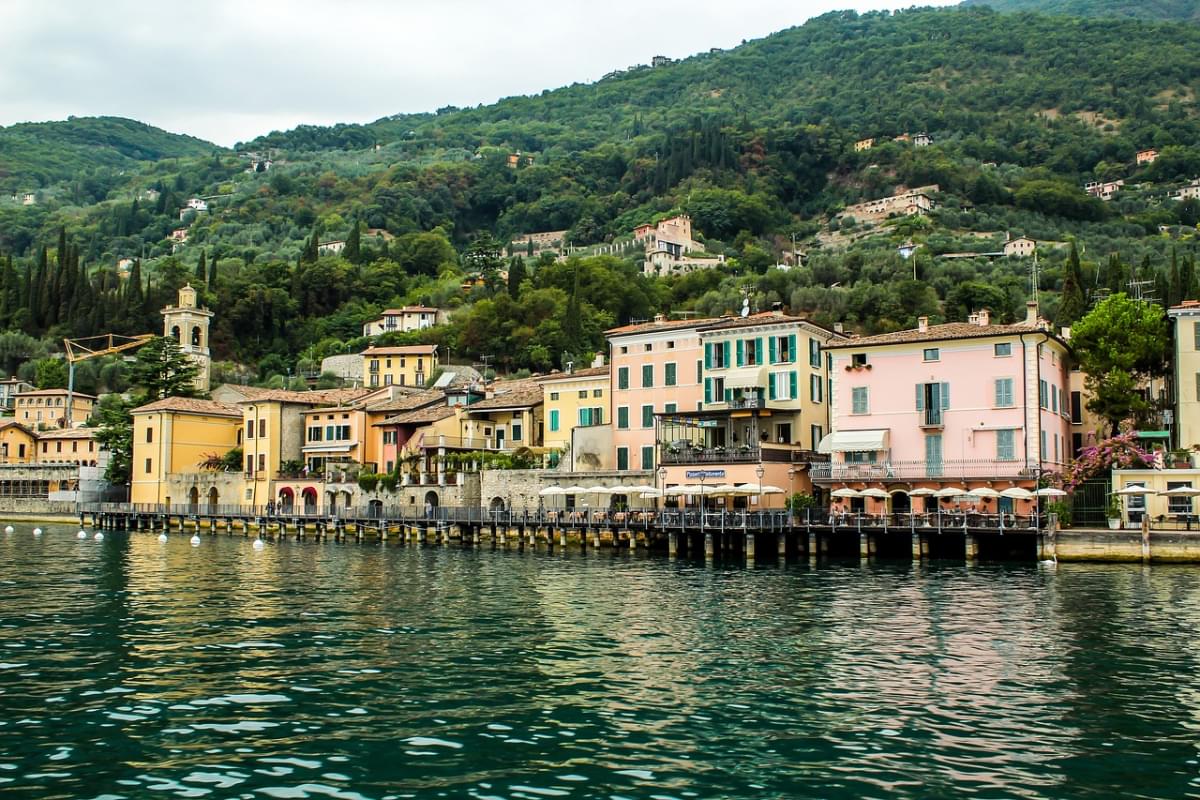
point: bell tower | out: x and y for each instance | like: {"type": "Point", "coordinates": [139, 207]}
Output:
{"type": "Point", "coordinates": [188, 324]}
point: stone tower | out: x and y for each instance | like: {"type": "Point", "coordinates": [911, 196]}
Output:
{"type": "Point", "coordinates": [188, 324]}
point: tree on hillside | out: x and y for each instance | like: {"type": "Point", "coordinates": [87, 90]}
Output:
{"type": "Point", "coordinates": [516, 274]}
{"type": "Point", "coordinates": [162, 369]}
{"type": "Point", "coordinates": [201, 269]}
{"type": "Point", "coordinates": [115, 434]}
{"type": "Point", "coordinates": [1122, 344]}
{"type": "Point", "coordinates": [1073, 302]}
{"type": "Point", "coordinates": [353, 250]}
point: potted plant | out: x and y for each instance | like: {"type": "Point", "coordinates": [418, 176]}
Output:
{"type": "Point", "coordinates": [1113, 512]}
{"type": "Point", "coordinates": [1180, 459]}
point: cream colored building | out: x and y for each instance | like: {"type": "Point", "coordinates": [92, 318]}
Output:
{"type": "Point", "coordinates": [575, 399]}
{"type": "Point", "coordinates": [188, 325]}
{"type": "Point", "coordinates": [1186, 320]}
{"type": "Point", "coordinates": [402, 320]}
{"type": "Point", "coordinates": [410, 365]}
{"type": "Point", "coordinates": [45, 409]}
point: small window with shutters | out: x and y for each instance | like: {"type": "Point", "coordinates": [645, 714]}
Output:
{"type": "Point", "coordinates": [859, 402]}
{"type": "Point", "coordinates": [1004, 392]}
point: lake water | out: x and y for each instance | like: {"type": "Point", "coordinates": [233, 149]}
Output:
{"type": "Point", "coordinates": [130, 668]}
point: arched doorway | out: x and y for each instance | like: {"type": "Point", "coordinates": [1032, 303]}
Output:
{"type": "Point", "coordinates": [309, 496]}
{"type": "Point", "coordinates": [287, 498]}
{"type": "Point", "coordinates": [193, 498]}
{"type": "Point", "coordinates": [901, 506]}
{"type": "Point", "coordinates": [375, 509]}
{"type": "Point", "coordinates": [431, 499]}
{"type": "Point", "coordinates": [214, 498]}
{"type": "Point", "coordinates": [497, 504]}
{"type": "Point", "coordinates": [331, 501]}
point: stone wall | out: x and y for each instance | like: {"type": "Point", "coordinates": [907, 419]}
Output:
{"type": "Point", "coordinates": [37, 508]}
{"type": "Point", "coordinates": [518, 489]}
{"type": "Point", "coordinates": [1126, 546]}
{"type": "Point", "coordinates": [591, 448]}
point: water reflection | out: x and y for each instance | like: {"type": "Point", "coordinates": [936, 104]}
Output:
{"type": "Point", "coordinates": [131, 668]}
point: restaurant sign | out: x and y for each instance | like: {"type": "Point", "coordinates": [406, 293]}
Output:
{"type": "Point", "coordinates": [705, 473]}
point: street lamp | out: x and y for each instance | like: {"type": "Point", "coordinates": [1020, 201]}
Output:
{"type": "Point", "coordinates": [759, 471]}
{"type": "Point", "coordinates": [662, 485]}
{"type": "Point", "coordinates": [702, 509]}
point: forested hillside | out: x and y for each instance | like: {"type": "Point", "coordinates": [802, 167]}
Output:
{"type": "Point", "coordinates": [756, 144]}
{"type": "Point", "coordinates": [38, 154]}
{"type": "Point", "coordinates": [1188, 10]}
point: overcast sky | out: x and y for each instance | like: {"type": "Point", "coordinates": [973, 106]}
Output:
{"type": "Point", "coordinates": [229, 70]}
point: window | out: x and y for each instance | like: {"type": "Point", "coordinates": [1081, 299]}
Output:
{"type": "Point", "coordinates": [714, 390]}
{"type": "Point", "coordinates": [648, 347]}
{"type": "Point", "coordinates": [932, 354]}
{"type": "Point", "coordinates": [149, 464]}
{"type": "Point", "coordinates": [343, 432]}
{"type": "Point", "coordinates": [1004, 393]}
{"type": "Point", "coordinates": [314, 434]}
{"type": "Point", "coordinates": [1179, 505]}
{"type": "Point", "coordinates": [816, 432]}
{"type": "Point", "coordinates": [623, 378]}
{"type": "Point", "coordinates": [583, 393]}
{"type": "Point", "coordinates": [250, 429]}
{"type": "Point", "coordinates": [515, 431]}
{"type": "Point", "coordinates": [669, 377]}
{"type": "Point", "coordinates": [669, 408]}
{"type": "Point", "coordinates": [597, 393]}
{"type": "Point", "coordinates": [753, 352]}
{"type": "Point", "coordinates": [1002, 349]}
{"type": "Point", "coordinates": [815, 386]}
{"type": "Point", "coordinates": [389, 437]}
{"type": "Point", "coordinates": [624, 349]}
{"type": "Point", "coordinates": [648, 457]}
{"type": "Point", "coordinates": [387, 380]}
{"type": "Point", "coordinates": [858, 360]}
{"type": "Point", "coordinates": [1005, 445]}
{"type": "Point", "coordinates": [1042, 445]}
{"type": "Point", "coordinates": [932, 400]}
{"type": "Point", "coordinates": [249, 465]}
{"type": "Point", "coordinates": [591, 416]}
{"type": "Point", "coordinates": [716, 355]}
{"type": "Point", "coordinates": [623, 417]}
{"type": "Point", "coordinates": [554, 395]}
{"type": "Point", "coordinates": [647, 376]}
{"type": "Point", "coordinates": [1043, 392]}
{"type": "Point", "coordinates": [860, 457]}
{"type": "Point", "coordinates": [648, 416]}
{"type": "Point", "coordinates": [262, 429]}
{"type": "Point", "coordinates": [149, 435]}
{"type": "Point", "coordinates": [814, 353]}
{"type": "Point", "coordinates": [622, 458]}
{"type": "Point", "coordinates": [1196, 335]}
{"type": "Point", "coordinates": [858, 400]}
{"type": "Point", "coordinates": [778, 387]}
{"type": "Point", "coordinates": [330, 432]}
{"type": "Point", "coordinates": [699, 371]}
{"type": "Point", "coordinates": [671, 344]}
{"type": "Point", "coordinates": [262, 462]}
{"type": "Point", "coordinates": [1054, 398]}
{"type": "Point", "coordinates": [554, 420]}
{"type": "Point", "coordinates": [933, 455]}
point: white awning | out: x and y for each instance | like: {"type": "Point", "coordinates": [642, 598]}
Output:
{"type": "Point", "coordinates": [854, 441]}
{"type": "Point", "coordinates": [746, 378]}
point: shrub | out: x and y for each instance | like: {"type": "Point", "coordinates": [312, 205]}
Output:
{"type": "Point", "coordinates": [368, 481]}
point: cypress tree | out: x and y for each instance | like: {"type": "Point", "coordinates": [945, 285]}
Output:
{"type": "Point", "coordinates": [212, 273]}
{"type": "Point", "coordinates": [36, 291]}
{"type": "Point", "coordinates": [1175, 290]}
{"type": "Point", "coordinates": [353, 249]}
{"type": "Point", "coordinates": [201, 269]}
{"type": "Point", "coordinates": [1187, 278]}
{"type": "Point", "coordinates": [516, 274]}
{"type": "Point", "coordinates": [1073, 303]}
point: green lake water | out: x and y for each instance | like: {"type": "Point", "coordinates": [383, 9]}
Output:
{"type": "Point", "coordinates": [135, 669]}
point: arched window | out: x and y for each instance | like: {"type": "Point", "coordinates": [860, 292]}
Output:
{"type": "Point", "coordinates": [177, 334]}
{"type": "Point", "coordinates": [196, 336]}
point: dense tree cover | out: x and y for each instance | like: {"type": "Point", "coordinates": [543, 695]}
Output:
{"type": "Point", "coordinates": [37, 154]}
{"type": "Point", "coordinates": [756, 144]}
{"type": "Point", "coordinates": [1188, 10]}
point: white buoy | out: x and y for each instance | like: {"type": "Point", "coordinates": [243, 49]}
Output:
{"type": "Point", "coordinates": [162, 537]}
{"type": "Point", "coordinates": [37, 531]}
{"type": "Point", "coordinates": [195, 540]}
{"type": "Point", "coordinates": [80, 535]}
{"type": "Point", "coordinates": [8, 528]}
{"type": "Point", "coordinates": [258, 544]}
{"type": "Point", "coordinates": [99, 537]}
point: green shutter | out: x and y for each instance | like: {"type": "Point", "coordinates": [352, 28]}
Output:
{"type": "Point", "coordinates": [774, 349]}
{"type": "Point", "coordinates": [761, 351]}
{"type": "Point", "coordinates": [920, 397]}
{"type": "Point", "coordinates": [945, 395]}
{"type": "Point", "coordinates": [771, 386]}
{"type": "Point", "coordinates": [708, 355]}
{"type": "Point", "coordinates": [622, 458]}
{"type": "Point", "coordinates": [708, 390]}
{"type": "Point", "coordinates": [728, 350]}
{"type": "Point", "coordinates": [793, 385]}
{"type": "Point", "coordinates": [741, 353]}
{"type": "Point", "coordinates": [728, 396]}
{"type": "Point", "coordinates": [792, 345]}
{"type": "Point", "coordinates": [623, 378]}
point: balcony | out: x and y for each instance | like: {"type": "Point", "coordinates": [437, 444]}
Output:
{"type": "Point", "coordinates": [746, 454]}
{"type": "Point", "coordinates": [932, 418]}
{"type": "Point", "coordinates": [964, 469]}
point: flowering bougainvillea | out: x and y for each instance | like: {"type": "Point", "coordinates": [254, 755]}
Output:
{"type": "Point", "coordinates": [1120, 452]}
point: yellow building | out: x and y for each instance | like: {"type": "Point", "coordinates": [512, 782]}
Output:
{"type": "Point", "coordinates": [187, 323]}
{"type": "Point", "coordinates": [576, 399]}
{"type": "Point", "coordinates": [410, 365]}
{"type": "Point", "coordinates": [1186, 319]}
{"type": "Point", "coordinates": [175, 436]}
{"type": "Point", "coordinates": [71, 446]}
{"type": "Point", "coordinates": [45, 409]}
{"type": "Point", "coordinates": [510, 418]}
{"type": "Point", "coordinates": [18, 444]}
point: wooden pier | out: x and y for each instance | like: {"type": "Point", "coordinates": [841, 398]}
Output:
{"type": "Point", "coordinates": [745, 535]}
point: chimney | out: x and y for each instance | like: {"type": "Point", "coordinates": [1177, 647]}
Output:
{"type": "Point", "coordinates": [923, 324]}
{"type": "Point", "coordinates": [985, 317]}
{"type": "Point", "coordinates": [659, 319]}
{"type": "Point", "coordinates": [1031, 312]}
{"type": "Point", "coordinates": [598, 361]}
{"type": "Point", "coordinates": [1065, 332]}
{"type": "Point", "coordinates": [973, 318]}
{"type": "Point", "coordinates": [839, 327]}
{"type": "Point", "coordinates": [777, 309]}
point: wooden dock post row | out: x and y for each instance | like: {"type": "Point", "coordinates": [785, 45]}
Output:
{"type": "Point", "coordinates": [677, 534]}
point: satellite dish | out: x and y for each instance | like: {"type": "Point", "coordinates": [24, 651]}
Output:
{"type": "Point", "coordinates": [745, 306]}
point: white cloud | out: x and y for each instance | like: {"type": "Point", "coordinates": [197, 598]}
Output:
{"type": "Point", "coordinates": [228, 70]}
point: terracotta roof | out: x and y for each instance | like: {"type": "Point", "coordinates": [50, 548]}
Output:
{"type": "Point", "coordinates": [8, 423]}
{"type": "Point", "coordinates": [190, 405]}
{"type": "Point", "coordinates": [53, 392]}
{"type": "Point", "coordinates": [406, 350]}
{"type": "Point", "coordinates": [313, 398]}
{"type": "Point", "coordinates": [950, 330]}
{"type": "Point", "coordinates": [510, 394]}
{"type": "Point", "coordinates": [249, 392]}
{"type": "Point", "coordinates": [764, 318]}
{"type": "Point", "coordinates": [69, 433]}
{"type": "Point", "coordinates": [391, 312]}
{"type": "Point", "coordinates": [419, 416]}
{"type": "Point", "coordinates": [665, 325]}
{"type": "Point", "coordinates": [409, 402]}
{"type": "Point", "coordinates": [590, 372]}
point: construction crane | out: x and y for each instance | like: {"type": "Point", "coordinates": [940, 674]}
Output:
{"type": "Point", "coordinates": [93, 347]}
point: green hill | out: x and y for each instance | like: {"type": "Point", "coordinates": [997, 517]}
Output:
{"type": "Point", "coordinates": [1183, 10]}
{"type": "Point", "coordinates": [36, 154]}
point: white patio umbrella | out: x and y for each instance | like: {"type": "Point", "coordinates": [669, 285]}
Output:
{"type": "Point", "coordinates": [879, 494]}
{"type": "Point", "coordinates": [1017, 493]}
{"type": "Point", "coordinates": [1050, 491]}
{"type": "Point", "coordinates": [769, 489]}
{"type": "Point", "coordinates": [650, 494]}
{"type": "Point", "coordinates": [845, 492]}
{"type": "Point", "coordinates": [552, 490]}
{"type": "Point", "coordinates": [1181, 491]}
{"type": "Point", "coordinates": [577, 490]}
{"type": "Point", "coordinates": [923, 491]}
{"type": "Point", "coordinates": [644, 489]}
{"type": "Point", "coordinates": [950, 491]}
{"type": "Point", "coordinates": [725, 488]}
{"type": "Point", "coordinates": [1131, 491]}
{"type": "Point", "coordinates": [983, 491]}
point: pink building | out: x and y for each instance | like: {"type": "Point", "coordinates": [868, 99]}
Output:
{"type": "Point", "coordinates": [656, 367]}
{"type": "Point", "coordinates": [965, 404]}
